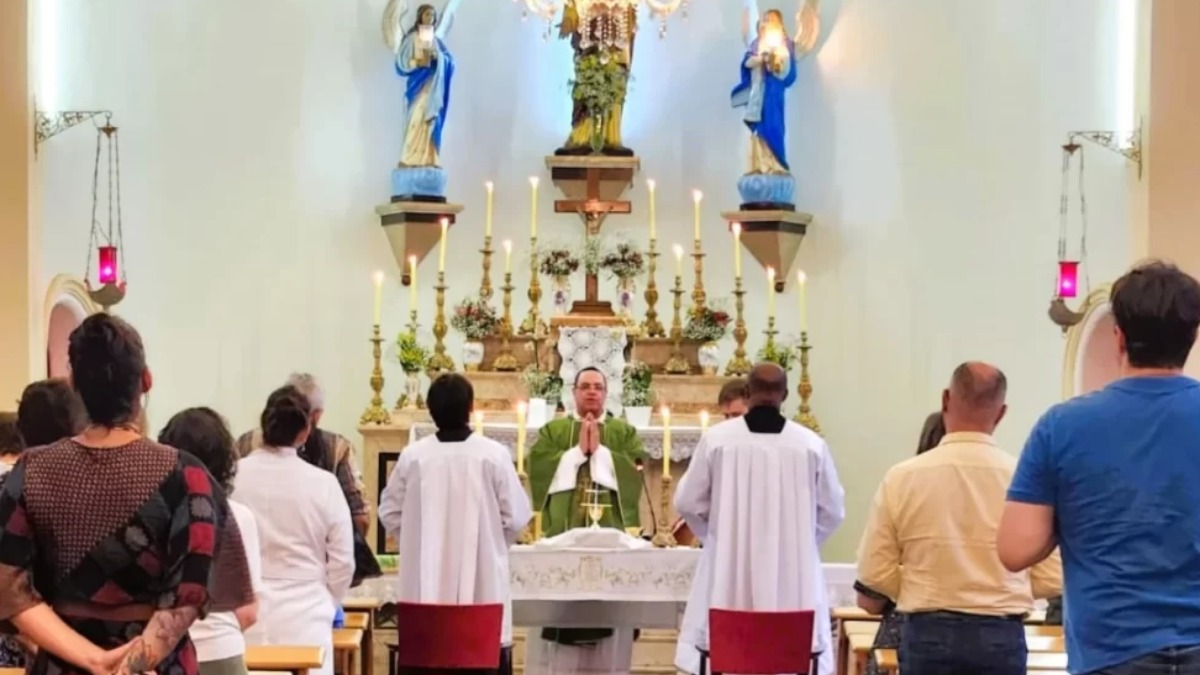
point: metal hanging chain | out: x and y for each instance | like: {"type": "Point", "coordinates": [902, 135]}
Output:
{"type": "Point", "coordinates": [1083, 234]}
{"type": "Point", "coordinates": [92, 234]}
{"type": "Point", "coordinates": [1063, 201]}
{"type": "Point", "coordinates": [115, 141]}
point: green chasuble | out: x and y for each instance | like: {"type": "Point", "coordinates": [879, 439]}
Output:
{"type": "Point", "coordinates": [565, 510]}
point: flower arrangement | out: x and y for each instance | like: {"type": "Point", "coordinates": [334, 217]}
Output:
{"type": "Point", "coordinates": [542, 384]}
{"type": "Point", "coordinates": [593, 254]}
{"type": "Point", "coordinates": [412, 356]}
{"type": "Point", "coordinates": [707, 325]}
{"type": "Point", "coordinates": [781, 353]}
{"type": "Point", "coordinates": [624, 262]}
{"type": "Point", "coordinates": [558, 262]}
{"type": "Point", "coordinates": [635, 383]}
{"type": "Point", "coordinates": [475, 319]}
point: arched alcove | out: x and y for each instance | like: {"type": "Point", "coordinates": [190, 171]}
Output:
{"type": "Point", "coordinates": [1091, 359]}
{"type": "Point", "coordinates": [67, 305]}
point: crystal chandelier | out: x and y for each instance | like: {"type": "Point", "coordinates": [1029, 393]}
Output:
{"type": "Point", "coordinates": [660, 10]}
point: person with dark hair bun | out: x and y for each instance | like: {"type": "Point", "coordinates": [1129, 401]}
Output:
{"type": "Point", "coordinates": [142, 537]}
{"type": "Point", "coordinates": [307, 542]}
{"type": "Point", "coordinates": [49, 411]}
{"type": "Point", "coordinates": [220, 645]}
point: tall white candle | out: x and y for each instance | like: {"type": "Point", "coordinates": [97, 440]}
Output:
{"type": "Point", "coordinates": [696, 197]}
{"type": "Point", "coordinates": [666, 444]}
{"type": "Point", "coordinates": [378, 309]}
{"type": "Point", "coordinates": [770, 291]}
{"type": "Point", "coordinates": [487, 225]}
{"type": "Point", "coordinates": [678, 260]}
{"type": "Point", "coordinates": [802, 294]}
{"type": "Point", "coordinates": [533, 184]}
{"type": "Point", "coordinates": [507, 256]}
{"type": "Point", "coordinates": [703, 420]}
{"type": "Point", "coordinates": [521, 408]}
{"type": "Point", "coordinates": [442, 245]}
{"type": "Point", "coordinates": [653, 211]}
{"type": "Point", "coordinates": [412, 283]}
{"type": "Point", "coordinates": [737, 250]}
{"type": "Point", "coordinates": [478, 415]}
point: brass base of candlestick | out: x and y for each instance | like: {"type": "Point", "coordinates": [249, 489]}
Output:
{"type": "Point", "coordinates": [677, 364]}
{"type": "Point", "coordinates": [652, 327]}
{"type": "Point", "coordinates": [804, 416]}
{"type": "Point", "coordinates": [698, 296]}
{"type": "Point", "coordinates": [485, 286]}
{"type": "Point", "coordinates": [533, 324]}
{"type": "Point", "coordinates": [375, 412]}
{"type": "Point", "coordinates": [506, 361]}
{"type": "Point", "coordinates": [770, 332]}
{"type": "Point", "coordinates": [440, 361]}
{"type": "Point", "coordinates": [663, 537]}
{"type": "Point", "coordinates": [739, 364]}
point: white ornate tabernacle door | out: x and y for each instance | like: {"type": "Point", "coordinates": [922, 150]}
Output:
{"type": "Point", "coordinates": [599, 347]}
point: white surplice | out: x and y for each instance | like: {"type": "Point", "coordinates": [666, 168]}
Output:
{"type": "Point", "coordinates": [762, 504]}
{"type": "Point", "coordinates": [455, 508]}
{"type": "Point", "coordinates": [307, 545]}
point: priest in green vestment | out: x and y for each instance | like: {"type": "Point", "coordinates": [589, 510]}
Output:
{"type": "Point", "coordinates": [576, 462]}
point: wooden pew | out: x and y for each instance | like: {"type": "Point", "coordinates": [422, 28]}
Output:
{"type": "Point", "coordinates": [347, 642]}
{"type": "Point", "coordinates": [1038, 662]}
{"type": "Point", "coordinates": [356, 609]}
{"type": "Point", "coordinates": [284, 659]}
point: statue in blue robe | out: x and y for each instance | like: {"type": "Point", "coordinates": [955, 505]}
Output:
{"type": "Point", "coordinates": [768, 69]}
{"type": "Point", "coordinates": [423, 59]}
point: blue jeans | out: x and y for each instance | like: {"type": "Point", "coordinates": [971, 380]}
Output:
{"type": "Point", "coordinates": [951, 643]}
{"type": "Point", "coordinates": [1169, 661]}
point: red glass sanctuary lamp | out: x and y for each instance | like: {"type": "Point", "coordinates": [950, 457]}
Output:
{"type": "Point", "coordinates": [1068, 278]}
{"type": "Point", "coordinates": [107, 270]}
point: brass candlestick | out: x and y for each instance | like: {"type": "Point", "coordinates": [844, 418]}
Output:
{"type": "Point", "coordinates": [376, 413]}
{"type": "Point", "coordinates": [677, 365]}
{"type": "Point", "coordinates": [698, 297]}
{"type": "Point", "coordinates": [804, 415]}
{"type": "Point", "coordinates": [771, 333]}
{"type": "Point", "coordinates": [652, 327]}
{"type": "Point", "coordinates": [485, 286]}
{"type": "Point", "coordinates": [440, 362]}
{"type": "Point", "coordinates": [739, 364]}
{"type": "Point", "coordinates": [506, 361]}
{"type": "Point", "coordinates": [530, 325]}
{"type": "Point", "coordinates": [663, 537]}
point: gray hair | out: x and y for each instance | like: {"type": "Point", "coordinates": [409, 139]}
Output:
{"type": "Point", "coordinates": [980, 386]}
{"type": "Point", "coordinates": [307, 385]}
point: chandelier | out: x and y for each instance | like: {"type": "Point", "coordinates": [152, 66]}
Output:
{"type": "Point", "coordinates": [106, 240]}
{"type": "Point", "coordinates": [660, 10]}
{"type": "Point", "coordinates": [1067, 283]}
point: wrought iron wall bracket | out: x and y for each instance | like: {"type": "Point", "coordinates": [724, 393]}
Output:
{"type": "Point", "coordinates": [1129, 147]}
{"type": "Point", "coordinates": [47, 125]}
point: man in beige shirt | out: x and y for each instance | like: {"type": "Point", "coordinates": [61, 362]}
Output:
{"type": "Point", "coordinates": [930, 543]}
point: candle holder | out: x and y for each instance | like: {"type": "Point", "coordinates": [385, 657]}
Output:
{"type": "Point", "coordinates": [805, 389]}
{"type": "Point", "coordinates": [739, 364]}
{"type": "Point", "coordinates": [663, 537]}
{"type": "Point", "coordinates": [770, 333]}
{"type": "Point", "coordinates": [698, 296]}
{"type": "Point", "coordinates": [485, 286]}
{"type": "Point", "coordinates": [440, 362]}
{"type": "Point", "coordinates": [529, 533]}
{"type": "Point", "coordinates": [677, 364]}
{"type": "Point", "coordinates": [532, 321]}
{"type": "Point", "coordinates": [506, 361]}
{"type": "Point", "coordinates": [375, 412]}
{"type": "Point", "coordinates": [652, 327]}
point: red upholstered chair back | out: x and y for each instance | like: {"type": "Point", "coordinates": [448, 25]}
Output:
{"type": "Point", "coordinates": [448, 636]}
{"type": "Point", "coordinates": [759, 642]}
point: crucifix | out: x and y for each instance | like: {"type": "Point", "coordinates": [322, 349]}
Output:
{"type": "Point", "coordinates": [593, 209]}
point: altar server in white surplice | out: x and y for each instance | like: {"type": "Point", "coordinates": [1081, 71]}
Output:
{"type": "Point", "coordinates": [455, 504]}
{"type": "Point", "coordinates": [762, 494]}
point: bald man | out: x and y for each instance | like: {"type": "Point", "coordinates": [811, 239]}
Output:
{"type": "Point", "coordinates": [930, 543]}
{"type": "Point", "coordinates": [762, 494]}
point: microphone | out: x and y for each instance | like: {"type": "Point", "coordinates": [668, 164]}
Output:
{"type": "Point", "coordinates": [641, 469]}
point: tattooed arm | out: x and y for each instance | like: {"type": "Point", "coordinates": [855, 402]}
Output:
{"type": "Point", "coordinates": [164, 631]}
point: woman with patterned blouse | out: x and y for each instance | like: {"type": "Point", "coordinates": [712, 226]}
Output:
{"type": "Point", "coordinates": [109, 541]}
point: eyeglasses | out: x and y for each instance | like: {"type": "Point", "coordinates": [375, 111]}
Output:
{"type": "Point", "coordinates": [590, 387]}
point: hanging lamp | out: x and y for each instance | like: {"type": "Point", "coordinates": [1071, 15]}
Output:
{"type": "Point", "coordinates": [1067, 279]}
{"type": "Point", "coordinates": [106, 239]}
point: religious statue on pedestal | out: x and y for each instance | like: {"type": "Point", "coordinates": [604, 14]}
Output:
{"type": "Point", "coordinates": [768, 69]}
{"type": "Point", "coordinates": [422, 58]}
{"type": "Point", "coordinates": [601, 33]}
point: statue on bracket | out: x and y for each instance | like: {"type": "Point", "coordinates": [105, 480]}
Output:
{"type": "Point", "coordinates": [422, 58]}
{"type": "Point", "coordinates": [768, 69]}
{"type": "Point", "coordinates": [602, 37]}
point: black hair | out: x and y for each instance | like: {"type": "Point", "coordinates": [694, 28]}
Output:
{"type": "Point", "coordinates": [203, 433]}
{"type": "Point", "coordinates": [49, 411]}
{"type": "Point", "coordinates": [286, 415]}
{"type": "Point", "coordinates": [10, 436]}
{"type": "Point", "coordinates": [107, 363]}
{"type": "Point", "coordinates": [1157, 308]}
{"type": "Point", "coordinates": [590, 369]}
{"type": "Point", "coordinates": [931, 433]}
{"type": "Point", "coordinates": [449, 401]}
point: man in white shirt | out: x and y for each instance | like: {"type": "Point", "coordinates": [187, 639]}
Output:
{"type": "Point", "coordinates": [455, 505]}
{"type": "Point", "coordinates": [762, 494]}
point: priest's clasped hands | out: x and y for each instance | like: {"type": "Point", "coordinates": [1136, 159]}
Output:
{"type": "Point", "coordinates": [589, 435]}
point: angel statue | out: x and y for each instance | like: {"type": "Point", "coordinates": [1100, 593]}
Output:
{"type": "Point", "coordinates": [601, 35]}
{"type": "Point", "coordinates": [423, 59]}
{"type": "Point", "coordinates": [768, 69]}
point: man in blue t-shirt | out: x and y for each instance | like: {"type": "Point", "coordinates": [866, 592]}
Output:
{"type": "Point", "coordinates": [1113, 478]}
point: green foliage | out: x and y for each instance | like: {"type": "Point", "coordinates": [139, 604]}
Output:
{"type": "Point", "coordinates": [542, 384]}
{"type": "Point", "coordinates": [777, 352]}
{"type": "Point", "coordinates": [636, 381]}
{"type": "Point", "coordinates": [412, 356]}
{"type": "Point", "coordinates": [598, 83]}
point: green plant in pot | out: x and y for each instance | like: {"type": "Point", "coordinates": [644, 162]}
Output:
{"type": "Point", "coordinates": [636, 394]}
{"type": "Point", "coordinates": [413, 358]}
{"type": "Point", "coordinates": [599, 80]}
